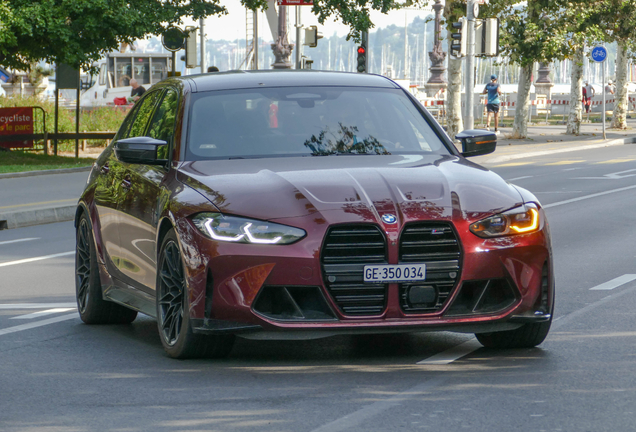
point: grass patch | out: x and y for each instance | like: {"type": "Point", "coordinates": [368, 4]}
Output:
{"type": "Point", "coordinates": [18, 161]}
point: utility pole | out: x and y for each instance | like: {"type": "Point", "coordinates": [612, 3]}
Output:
{"type": "Point", "coordinates": [471, 13]}
{"type": "Point", "coordinates": [202, 36]}
{"type": "Point", "coordinates": [298, 44]}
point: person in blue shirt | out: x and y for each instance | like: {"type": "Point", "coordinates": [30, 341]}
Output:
{"type": "Point", "coordinates": [494, 90]}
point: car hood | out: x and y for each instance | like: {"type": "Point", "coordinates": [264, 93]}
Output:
{"type": "Point", "coordinates": [351, 188]}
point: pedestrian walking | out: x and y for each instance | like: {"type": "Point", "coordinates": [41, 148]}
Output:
{"type": "Point", "coordinates": [494, 90]}
{"type": "Point", "coordinates": [588, 94]}
{"type": "Point", "coordinates": [609, 88]}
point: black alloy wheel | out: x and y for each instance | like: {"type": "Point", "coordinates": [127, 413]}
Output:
{"type": "Point", "coordinates": [173, 316]}
{"type": "Point", "coordinates": [93, 309]}
{"type": "Point", "coordinates": [171, 299]}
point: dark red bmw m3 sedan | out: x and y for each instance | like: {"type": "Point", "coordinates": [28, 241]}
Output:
{"type": "Point", "coordinates": [304, 204]}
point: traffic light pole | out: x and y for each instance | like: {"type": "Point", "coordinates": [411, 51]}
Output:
{"type": "Point", "coordinates": [469, 116]}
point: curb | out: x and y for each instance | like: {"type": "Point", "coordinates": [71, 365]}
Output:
{"type": "Point", "coordinates": [27, 218]}
{"type": "Point", "coordinates": [615, 142]}
{"type": "Point", "coordinates": [45, 172]}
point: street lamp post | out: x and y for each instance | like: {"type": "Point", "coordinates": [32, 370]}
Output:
{"type": "Point", "coordinates": [437, 56]}
{"type": "Point", "coordinates": [282, 48]}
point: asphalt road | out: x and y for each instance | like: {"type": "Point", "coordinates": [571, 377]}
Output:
{"type": "Point", "coordinates": [57, 374]}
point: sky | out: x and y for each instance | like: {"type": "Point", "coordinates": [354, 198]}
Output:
{"type": "Point", "coordinates": [232, 26]}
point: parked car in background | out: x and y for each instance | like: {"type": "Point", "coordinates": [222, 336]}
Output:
{"type": "Point", "coordinates": [305, 204]}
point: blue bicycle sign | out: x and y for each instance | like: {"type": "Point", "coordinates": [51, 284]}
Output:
{"type": "Point", "coordinates": [599, 54]}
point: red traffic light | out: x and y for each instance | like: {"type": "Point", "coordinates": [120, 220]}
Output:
{"type": "Point", "coordinates": [361, 50]}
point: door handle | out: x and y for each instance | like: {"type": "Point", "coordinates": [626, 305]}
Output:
{"type": "Point", "coordinates": [105, 169]}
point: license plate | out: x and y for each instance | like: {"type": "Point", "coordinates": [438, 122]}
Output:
{"type": "Point", "coordinates": [395, 273]}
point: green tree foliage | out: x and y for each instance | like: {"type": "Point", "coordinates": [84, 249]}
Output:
{"type": "Point", "coordinates": [78, 32]}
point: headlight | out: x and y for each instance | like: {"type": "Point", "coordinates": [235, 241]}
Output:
{"type": "Point", "coordinates": [521, 220]}
{"type": "Point", "coordinates": [241, 230]}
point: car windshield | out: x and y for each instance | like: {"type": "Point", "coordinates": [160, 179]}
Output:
{"type": "Point", "coordinates": [307, 121]}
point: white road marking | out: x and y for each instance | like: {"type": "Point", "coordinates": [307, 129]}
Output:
{"type": "Point", "coordinates": [556, 204]}
{"type": "Point", "coordinates": [519, 178]}
{"type": "Point", "coordinates": [37, 305]}
{"type": "Point", "coordinates": [613, 176]}
{"type": "Point", "coordinates": [19, 240]}
{"type": "Point", "coordinates": [450, 355]}
{"type": "Point", "coordinates": [614, 283]}
{"type": "Point", "coordinates": [356, 418]}
{"type": "Point", "coordinates": [42, 313]}
{"type": "Point", "coordinates": [38, 324]}
{"type": "Point", "coordinates": [28, 260]}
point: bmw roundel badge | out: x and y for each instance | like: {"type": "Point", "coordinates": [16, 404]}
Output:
{"type": "Point", "coordinates": [389, 218]}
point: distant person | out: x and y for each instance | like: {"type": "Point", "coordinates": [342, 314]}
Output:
{"type": "Point", "coordinates": [213, 69]}
{"type": "Point", "coordinates": [588, 94]}
{"type": "Point", "coordinates": [494, 90]}
{"type": "Point", "coordinates": [137, 90]}
{"type": "Point", "coordinates": [609, 88]}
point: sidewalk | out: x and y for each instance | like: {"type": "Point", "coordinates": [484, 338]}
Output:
{"type": "Point", "coordinates": [45, 197]}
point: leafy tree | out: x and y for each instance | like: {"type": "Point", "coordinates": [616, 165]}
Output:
{"type": "Point", "coordinates": [80, 32]}
{"type": "Point", "coordinates": [615, 21]}
{"type": "Point", "coordinates": [531, 32]}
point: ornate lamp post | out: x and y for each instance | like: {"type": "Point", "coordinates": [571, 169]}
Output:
{"type": "Point", "coordinates": [282, 48]}
{"type": "Point", "coordinates": [437, 56]}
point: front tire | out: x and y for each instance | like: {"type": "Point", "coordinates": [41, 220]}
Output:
{"type": "Point", "coordinates": [173, 317]}
{"type": "Point", "coordinates": [92, 307]}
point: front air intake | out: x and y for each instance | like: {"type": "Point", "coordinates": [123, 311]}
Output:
{"type": "Point", "coordinates": [434, 244]}
{"type": "Point", "coordinates": [346, 250]}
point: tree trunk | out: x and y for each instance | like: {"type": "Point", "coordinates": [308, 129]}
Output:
{"type": "Point", "coordinates": [576, 95]}
{"type": "Point", "coordinates": [619, 118]}
{"type": "Point", "coordinates": [454, 96]}
{"type": "Point", "coordinates": [522, 112]}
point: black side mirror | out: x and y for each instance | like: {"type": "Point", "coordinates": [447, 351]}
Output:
{"type": "Point", "coordinates": [477, 142]}
{"type": "Point", "coordinates": [139, 150]}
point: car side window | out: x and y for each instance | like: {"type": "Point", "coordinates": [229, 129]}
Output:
{"type": "Point", "coordinates": [144, 113]}
{"type": "Point", "coordinates": [163, 122]}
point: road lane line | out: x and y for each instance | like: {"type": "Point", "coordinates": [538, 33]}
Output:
{"type": "Point", "coordinates": [455, 353]}
{"type": "Point", "coordinates": [614, 283]}
{"type": "Point", "coordinates": [585, 197]}
{"type": "Point", "coordinates": [356, 418]}
{"type": "Point", "coordinates": [36, 324]}
{"type": "Point", "coordinates": [28, 260]}
{"type": "Point", "coordinates": [36, 305]}
{"type": "Point", "coordinates": [41, 203]}
{"type": "Point", "coordinates": [519, 178]}
{"type": "Point", "coordinates": [42, 313]}
{"type": "Point", "coordinates": [19, 240]}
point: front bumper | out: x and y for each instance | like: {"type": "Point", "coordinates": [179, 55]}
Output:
{"type": "Point", "coordinates": [227, 284]}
